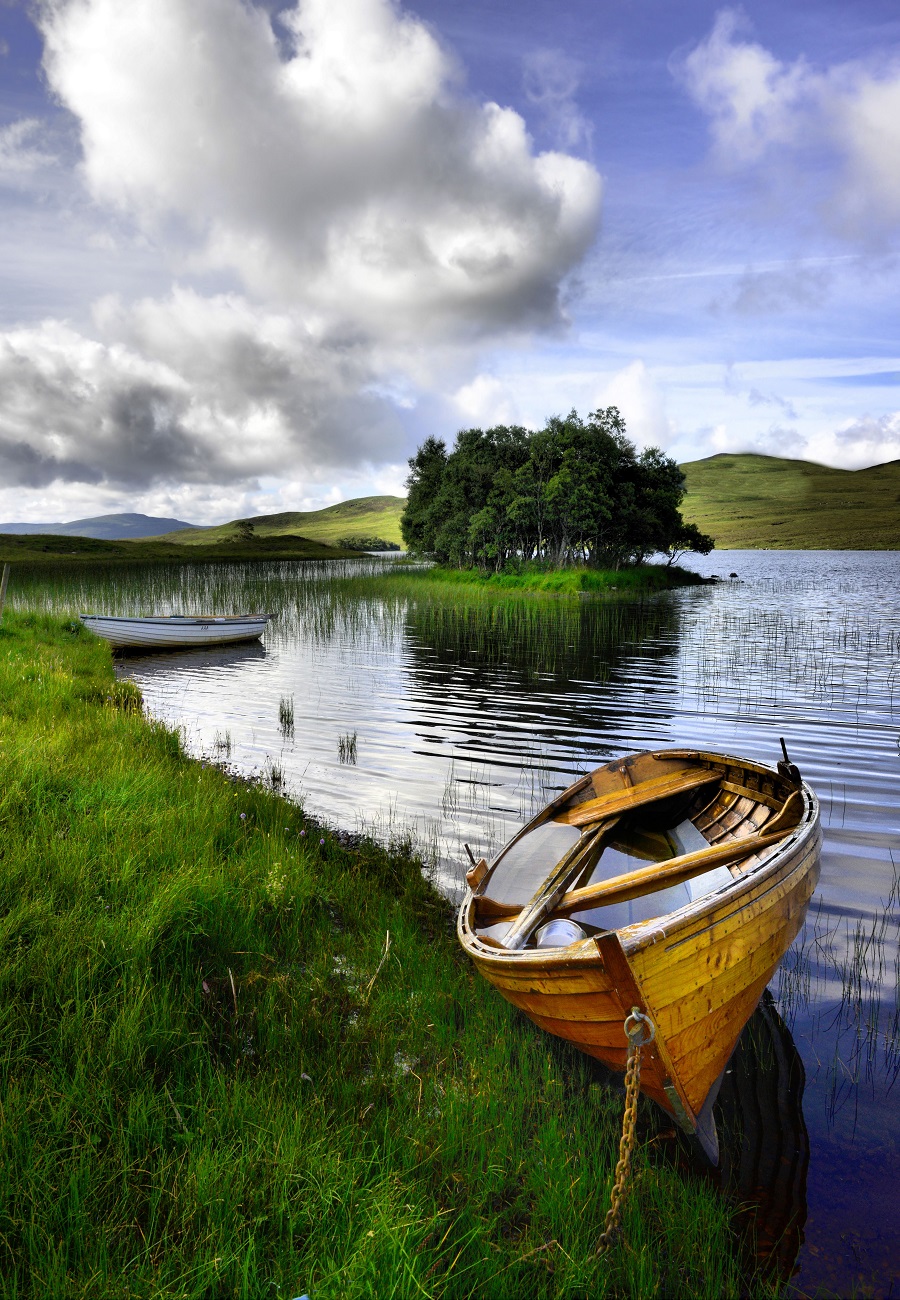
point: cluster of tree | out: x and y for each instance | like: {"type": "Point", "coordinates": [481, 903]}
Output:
{"type": "Point", "coordinates": [366, 542]}
{"type": "Point", "coordinates": [576, 492]}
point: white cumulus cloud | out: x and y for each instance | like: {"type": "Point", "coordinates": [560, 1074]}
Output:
{"type": "Point", "coordinates": [551, 82]}
{"type": "Point", "coordinates": [22, 152]}
{"type": "Point", "coordinates": [341, 166]}
{"type": "Point", "coordinates": [752, 99]}
{"type": "Point", "coordinates": [642, 404]}
{"type": "Point", "coordinates": [367, 225]}
{"type": "Point", "coordinates": [760, 106]}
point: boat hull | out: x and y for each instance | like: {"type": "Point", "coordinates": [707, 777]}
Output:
{"type": "Point", "coordinates": [698, 972]}
{"type": "Point", "coordinates": [160, 632]}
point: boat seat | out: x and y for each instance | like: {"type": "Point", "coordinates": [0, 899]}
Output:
{"type": "Point", "coordinates": [526, 865]}
{"type": "Point", "coordinates": [685, 838]}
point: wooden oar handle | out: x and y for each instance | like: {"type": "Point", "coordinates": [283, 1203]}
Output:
{"type": "Point", "coordinates": [649, 880]}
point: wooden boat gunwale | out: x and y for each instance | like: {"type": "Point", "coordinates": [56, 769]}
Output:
{"type": "Point", "coordinates": [766, 901]}
{"type": "Point", "coordinates": [177, 619]}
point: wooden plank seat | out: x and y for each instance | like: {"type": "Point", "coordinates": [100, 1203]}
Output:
{"type": "Point", "coordinates": [636, 796]}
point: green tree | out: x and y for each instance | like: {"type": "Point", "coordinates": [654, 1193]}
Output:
{"type": "Point", "coordinates": [419, 522]}
{"type": "Point", "coordinates": [575, 492]}
{"type": "Point", "coordinates": [467, 481]}
{"type": "Point", "coordinates": [688, 538]}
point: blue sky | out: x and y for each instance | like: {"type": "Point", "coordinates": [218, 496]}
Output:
{"type": "Point", "coordinates": [253, 255]}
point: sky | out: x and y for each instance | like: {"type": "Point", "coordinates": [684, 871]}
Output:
{"type": "Point", "coordinates": [251, 255]}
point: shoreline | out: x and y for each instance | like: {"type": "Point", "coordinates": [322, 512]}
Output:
{"type": "Point", "coordinates": [637, 581]}
{"type": "Point", "coordinates": [234, 1080]}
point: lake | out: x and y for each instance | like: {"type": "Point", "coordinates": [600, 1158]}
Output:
{"type": "Point", "coordinates": [449, 720]}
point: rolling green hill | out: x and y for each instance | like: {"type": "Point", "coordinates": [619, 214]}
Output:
{"type": "Point", "coordinates": [745, 500]}
{"type": "Point", "coordinates": [50, 548]}
{"type": "Point", "coordinates": [364, 516]}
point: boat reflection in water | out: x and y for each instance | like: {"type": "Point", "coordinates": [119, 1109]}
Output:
{"type": "Point", "coordinates": [238, 655]}
{"type": "Point", "coordinates": [764, 1146]}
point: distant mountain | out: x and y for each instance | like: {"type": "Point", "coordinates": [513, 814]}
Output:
{"type": "Point", "coordinates": [107, 527]}
{"type": "Point", "coordinates": [748, 501]}
{"type": "Point", "coordinates": [372, 516]}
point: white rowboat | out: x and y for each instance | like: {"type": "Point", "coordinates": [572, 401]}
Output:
{"type": "Point", "coordinates": [160, 631]}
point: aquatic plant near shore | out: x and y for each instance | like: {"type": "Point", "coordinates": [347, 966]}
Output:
{"type": "Point", "coordinates": [286, 715]}
{"type": "Point", "coordinates": [847, 977]}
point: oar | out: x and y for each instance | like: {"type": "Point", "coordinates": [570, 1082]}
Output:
{"type": "Point", "coordinates": [554, 887]}
{"type": "Point", "coordinates": [653, 790]}
{"type": "Point", "coordinates": [662, 875]}
{"type": "Point", "coordinates": [648, 880]}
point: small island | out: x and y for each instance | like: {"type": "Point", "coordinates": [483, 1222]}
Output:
{"type": "Point", "coordinates": [571, 507]}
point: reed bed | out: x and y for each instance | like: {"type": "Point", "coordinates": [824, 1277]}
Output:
{"type": "Point", "coordinates": [840, 660]}
{"type": "Point", "coordinates": [286, 715]}
{"type": "Point", "coordinates": [243, 1056]}
{"type": "Point", "coordinates": [343, 601]}
{"type": "Point", "coordinates": [843, 975]}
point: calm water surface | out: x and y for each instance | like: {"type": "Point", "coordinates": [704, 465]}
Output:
{"type": "Point", "coordinates": [468, 714]}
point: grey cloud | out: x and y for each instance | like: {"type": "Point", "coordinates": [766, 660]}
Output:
{"type": "Point", "coordinates": [756, 398]}
{"type": "Point", "coordinates": [22, 465]}
{"type": "Point", "coordinates": [217, 404]}
{"type": "Point", "coordinates": [763, 293]}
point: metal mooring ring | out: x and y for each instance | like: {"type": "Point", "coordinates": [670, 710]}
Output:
{"type": "Point", "coordinates": [635, 1024]}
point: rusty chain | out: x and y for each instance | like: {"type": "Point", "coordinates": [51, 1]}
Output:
{"type": "Point", "coordinates": [636, 1025]}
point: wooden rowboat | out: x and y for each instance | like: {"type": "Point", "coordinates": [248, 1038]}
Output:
{"type": "Point", "coordinates": [673, 882]}
{"type": "Point", "coordinates": [172, 631]}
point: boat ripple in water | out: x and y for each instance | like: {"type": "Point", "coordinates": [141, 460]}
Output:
{"type": "Point", "coordinates": [682, 877]}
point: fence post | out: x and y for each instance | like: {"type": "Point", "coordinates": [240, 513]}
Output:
{"type": "Point", "coordinates": [3, 581]}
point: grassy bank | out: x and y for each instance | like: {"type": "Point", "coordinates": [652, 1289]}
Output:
{"type": "Point", "coordinates": [556, 582]}
{"type": "Point", "coordinates": [219, 1079]}
{"type": "Point", "coordinates": [763, 501]}
{"type": "Point", "coordinates": [41, 548]}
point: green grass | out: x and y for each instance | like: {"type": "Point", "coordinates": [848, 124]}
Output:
{"type": "Point", "coordinates": [217, 1079]}
{"type": "Point", "coordinates": [40, 548]}
{"type": "Point", "coordinates": [762, 501]}
{"type": "Point", "coordinates": [557, 582]}
{"type": "Point", "coordinates": [368, 516]}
